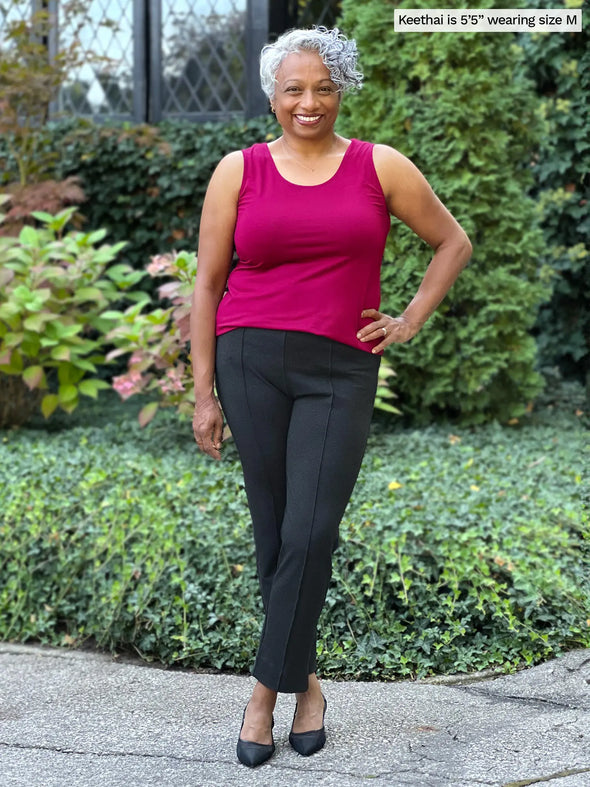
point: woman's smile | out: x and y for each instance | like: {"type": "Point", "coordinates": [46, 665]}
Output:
{"type": "Point", "coordinates": [308, 120]}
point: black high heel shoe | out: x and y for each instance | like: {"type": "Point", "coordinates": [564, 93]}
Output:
{"type": "Point", "coordinates": [251, 753]}
{"type": "Point", "coordinates": [307, 743]}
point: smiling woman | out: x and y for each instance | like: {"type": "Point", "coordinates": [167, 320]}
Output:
{"type": "Point", "coordinates": [293, 337]}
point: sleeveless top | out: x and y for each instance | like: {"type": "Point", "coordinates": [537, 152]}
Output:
{"type": "Point", "coordinates": [309, 256]}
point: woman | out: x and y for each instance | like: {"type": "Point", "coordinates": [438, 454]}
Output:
{"type": "Point", "coordinates": [294, 343]}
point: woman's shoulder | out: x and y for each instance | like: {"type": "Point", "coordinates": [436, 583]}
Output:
{"type": "Point", "coordinates": [231, 164]}
{"type": "Point", "coordinates": [232, 160]}
{"type": "Point", "coordinates": [229, 172]}
{"type": "Point", "coordinates": [382, 154]}
{"type": "Point", "coordinates": [391, 163]}
{"type": "Point", "coordinates": [387, 154]}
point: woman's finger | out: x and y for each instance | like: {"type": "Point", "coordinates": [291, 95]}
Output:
{"type": "Point", "coordinates": [371, 331]}
{"type": "Point", "coordinates": [208, 429]}
{"type": "Point", "coordinates": [374, 331]}
{"type": "Point", "coordinates": [210, 446]}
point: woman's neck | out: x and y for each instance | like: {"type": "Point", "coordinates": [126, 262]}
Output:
{"type": "Point", "coordinates": [310, 148]}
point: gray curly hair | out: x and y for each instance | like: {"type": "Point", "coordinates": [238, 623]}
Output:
{"type": "Point", "coordinates": [338, 53]}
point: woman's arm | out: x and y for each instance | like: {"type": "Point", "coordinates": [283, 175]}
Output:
{"type": "Point", "coordinates": [216, 243]}
{"type": "Point", "coordinates": [410, 198]}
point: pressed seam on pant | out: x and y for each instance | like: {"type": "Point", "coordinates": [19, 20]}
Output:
{"type": "Point", "coordinates": [258, 446]}
{"type": "Point", "coordinates": [315, 500]}
{"type": "Point", "coordinates": [264, 462]}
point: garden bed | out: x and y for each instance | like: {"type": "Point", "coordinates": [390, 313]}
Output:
{"type": "Point", "coordinates": [461, 548]}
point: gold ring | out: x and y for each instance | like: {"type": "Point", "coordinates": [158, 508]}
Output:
{"type": "Point", "coordinates": [384, 331]}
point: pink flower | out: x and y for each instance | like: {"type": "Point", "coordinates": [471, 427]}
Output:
{"type": "Point", "coordinates": [159, 264]}
{"type": "Point", "coordinates": [165, 387]}
{"type": "Point", "coordinates": [175, 377]}
{"type": "Point", "coordinates": [128, 384]}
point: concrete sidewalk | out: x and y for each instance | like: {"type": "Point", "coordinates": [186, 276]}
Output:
{"type": "Point", "coordinates": [84, 719]}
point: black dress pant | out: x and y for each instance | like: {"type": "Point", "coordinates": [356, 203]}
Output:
{"type": "Point", "coordinates": [299, 407]}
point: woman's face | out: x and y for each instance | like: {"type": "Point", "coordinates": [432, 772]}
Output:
{"type": "Point", "coordinates": [306, 100]}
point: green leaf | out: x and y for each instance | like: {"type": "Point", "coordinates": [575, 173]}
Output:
{"type": "Point", "coordinates": [15, 366]}
{"type": "Point", "coordinates": [69, 407]}
{"type": "Point", "coordinates": [69, 374]}
{"type": "Point", "coordinates": [61, 353]}
{"type": "Point", "coordinates": [66, 331]}
{"type": "Point", "coordinates": [92, 387]}
{"type": "Point", "coordinates": [103, 255]}
{"type": "Point", "coordinates": [84, 363]}
{"type": "Point", "coordinates": [61, 219]}
{"type": "Point", "coordinates": [118, 273]}
{"type": "Point", "coordinates": [8, 310]}
{"type": "Point", "coordinates": [34, 377]}
{"type": "Point", "coordinates": [6, 276]}
{"type": "Point", "coordinates": [41, 215]}
{"type": "Point", "coordinates": [147, 413]}
{"type": "Point", "coordinates": [88, 294]}
{"type": "Point", "coordinates": [36, 322]}
{"type": "Point", "coordinates": [29, 236]}
{"type": "Point", "coordinates": [96, 236]}
{"type": "Point", "coordinates": [13, 339]}
{"type": "Point", "coordinates": [67, 393]}
{"type": "Point", "coordinates": [48, 404]}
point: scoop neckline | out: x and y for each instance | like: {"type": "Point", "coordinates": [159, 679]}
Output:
{"type": "Point", "coordinates": [312, 185]}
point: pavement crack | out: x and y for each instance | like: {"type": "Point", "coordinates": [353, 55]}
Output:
{"type": "Point", "coordinates": [550, 777]}
{"type": "Point", "coordinates": [579, 666]}
{"type": "Point", "coordinates": [80, 753]}
{"type": "Point", "coordinates": [275, 766]}
{"type": "Point", "coordinates": [539, 701]}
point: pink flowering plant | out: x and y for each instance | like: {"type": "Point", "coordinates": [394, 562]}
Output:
{"type": "Point", "coordinates": [157, 341]}
{"type": "Point", "coordinates": [157, 344]}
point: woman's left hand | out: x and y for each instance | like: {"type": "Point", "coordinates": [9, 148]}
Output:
{"type": "Point", "coordinates": [390, 330]}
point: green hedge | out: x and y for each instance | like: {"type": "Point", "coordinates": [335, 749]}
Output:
{"type": "Point", "coordinates": [459, 106]}
{"type": "Point", "coordinates": [145, 184]}
{"type": "Point", "coordinates": [458, 551]}
{"type": "Point", "coordinates": [560, 67]}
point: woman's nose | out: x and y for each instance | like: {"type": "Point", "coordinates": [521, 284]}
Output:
{"type": "Point", "coordinates": [309, 99]}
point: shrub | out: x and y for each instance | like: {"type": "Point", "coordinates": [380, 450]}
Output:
{"type": "Point", "coordinates": [460, 108]}
{"type": "Point", "coordinates": [156, 343]}
{"type": "Point", "coordinates": [560, 66]}
{"type": "Point", "coordinates": [458, 551]}
{"type": "Point", "coordinates": [49, 196]}
{"type": "Point", "coordinates": [146, 184]}
{"type": "Point", "coordinates": [53, 292]}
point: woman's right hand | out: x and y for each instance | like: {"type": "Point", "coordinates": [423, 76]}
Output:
{"type": "Point", "coordinates": [208, 426]}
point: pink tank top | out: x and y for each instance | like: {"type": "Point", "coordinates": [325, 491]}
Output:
{"type": "Point", "coordinates": [309, 256]}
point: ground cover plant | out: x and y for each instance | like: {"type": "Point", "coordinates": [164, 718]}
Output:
{"type": "Point", "coordinates": [461, 548]}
